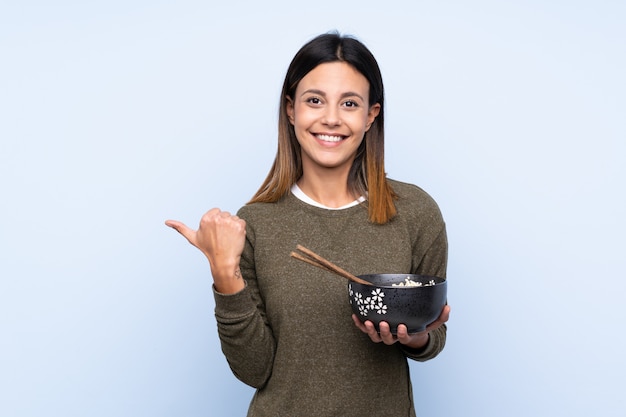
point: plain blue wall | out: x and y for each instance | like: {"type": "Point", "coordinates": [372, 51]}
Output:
{"type": "Point", "coordinates": [117, 115]}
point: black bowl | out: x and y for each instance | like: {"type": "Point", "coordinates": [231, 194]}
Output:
{"type": "Point", "coordinates": [414, 306]}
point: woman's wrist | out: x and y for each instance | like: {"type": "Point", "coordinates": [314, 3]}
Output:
{"type": "Point", "coordinates": [419, 341]}
{"type": "Point", "coordinates": [227, 280]}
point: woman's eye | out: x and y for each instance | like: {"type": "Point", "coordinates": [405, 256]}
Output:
{"type": "Point", "coordinates": [314, 100]}
{"type": "Point", "coordinates": [351, 103]}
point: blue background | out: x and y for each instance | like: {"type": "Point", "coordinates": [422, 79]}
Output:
{"type": "Point", "coordinates": [117, 115]}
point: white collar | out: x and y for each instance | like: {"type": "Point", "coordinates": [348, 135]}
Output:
{"type": "Point", "coordinates": [295, 190]}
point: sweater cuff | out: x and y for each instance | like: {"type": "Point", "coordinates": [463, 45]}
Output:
{"type": "Point", "coordinates": [231, 306]}
{"type": "Point", "coordinates": [436, 343]}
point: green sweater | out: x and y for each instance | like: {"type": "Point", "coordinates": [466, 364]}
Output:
{"type": "Point", "coordinates": [290, 334]}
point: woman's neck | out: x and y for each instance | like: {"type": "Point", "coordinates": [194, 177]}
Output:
{"type": "Point", "coordinates": [330, 190]}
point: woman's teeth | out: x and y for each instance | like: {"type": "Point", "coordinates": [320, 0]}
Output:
{"type": "Point", "coordinates": [328, 138]}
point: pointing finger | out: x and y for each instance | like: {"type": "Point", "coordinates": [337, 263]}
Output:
{"type": "Point", "coordinates": [181, 228]}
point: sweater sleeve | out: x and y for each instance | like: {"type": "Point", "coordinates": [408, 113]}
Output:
{"type": "Point", "coordinates": [246, 338]}
{"type": "Point", "coordinates": [436, 343]}
{"type": "Point", "coordinates": [434, 263]}
{"type": "Point", "coordinates": [434, 260]}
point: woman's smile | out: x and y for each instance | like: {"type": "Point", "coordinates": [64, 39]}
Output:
{"type": "Point", "coordinates": [329, 138]}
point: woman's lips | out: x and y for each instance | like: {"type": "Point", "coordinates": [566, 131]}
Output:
{"type": "Point", "coordinates": [330, 138]}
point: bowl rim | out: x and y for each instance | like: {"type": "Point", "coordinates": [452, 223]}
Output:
{"type": "Point", "coordinates": [438, 280]}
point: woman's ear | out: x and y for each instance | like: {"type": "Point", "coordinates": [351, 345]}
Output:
{"type": "Point", "coordinates": [290, 110]}
{"type": "Point", "coordinates": [371, 115]}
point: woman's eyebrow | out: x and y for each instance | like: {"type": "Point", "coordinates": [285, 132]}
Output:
{"type": "Point", "coordinates": [323, 94]}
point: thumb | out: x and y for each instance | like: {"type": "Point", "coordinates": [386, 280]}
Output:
{"type": "Point", "coordinates": [443, 318]}
{"type": "Point", "coordinates": [181, 228]}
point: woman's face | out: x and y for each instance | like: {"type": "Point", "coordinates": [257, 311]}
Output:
{"type": "Point", "coordinates": [330, 115]}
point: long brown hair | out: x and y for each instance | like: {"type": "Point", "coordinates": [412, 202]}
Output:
{"type": "Point", "coordinates": [367, 175]}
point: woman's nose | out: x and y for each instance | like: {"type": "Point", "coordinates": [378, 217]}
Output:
{"type": "Point", "coordinates": [331, 117]}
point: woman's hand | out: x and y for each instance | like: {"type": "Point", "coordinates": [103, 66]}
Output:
{"type": "Point", "coordinates": [413, 340]}
{"type": "Point", "coordinates": [220, 237]}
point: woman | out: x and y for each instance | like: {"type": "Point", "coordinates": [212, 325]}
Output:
{"type": "Point", "coordinates": [285, 327]}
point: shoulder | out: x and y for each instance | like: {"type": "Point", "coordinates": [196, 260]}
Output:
{"type": "Point", "coordinates": [267, 213]}
{"type": "Point", "coordinates": [258, 211]}
{"type": "Point", "coordinates": [413, 199]}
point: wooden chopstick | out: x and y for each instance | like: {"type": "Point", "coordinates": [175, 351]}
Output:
{"type": "Point", "coordinates": [318, 261]}
{"type": "Point", "coordinates": [310, 261]}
